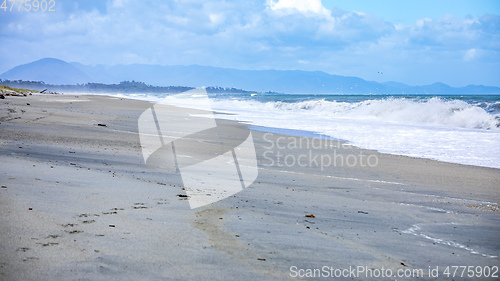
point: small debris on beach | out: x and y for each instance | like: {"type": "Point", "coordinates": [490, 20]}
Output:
{"type": "Point", "coordinates": [101, 125]}
{"type": "Point", "coordinates": [68, 224]}
{"type": "Point", "coordinates": [3, 186]}
{"type": "Point", "coordinates": [182, 195]}
{"type": "Point", "coordinates": [48, 244]}
{"type": "Point", "coordinates": [310, 216]}
{"type": "Point", "coordinates": [362, 212]}
{"type": "Point", "coordinates": [111, 225]}
{"type": "Point", "coordinates": [486, 207]}
{"type": "Point", "coordinates": [261, 259]}
{"type": "Point", "coordinates": [31, 209]}
{"type": "Point", "coordinates": [139, 206]}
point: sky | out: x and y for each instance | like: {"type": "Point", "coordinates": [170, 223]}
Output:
{"type": "Point", "coordinates": [414, 42]}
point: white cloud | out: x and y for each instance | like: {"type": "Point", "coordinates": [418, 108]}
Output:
{"type": "Point", "coordinates": [470, 54]}
{"type": "Point", "coordinates": [217, 19]}
{"type": "Point", "coordinates": [119, 3]}
{"type": "Point", "coordinates": [176, 20]}
{"type": "Point", "coordinates": [421, 22]}
{"type": "Point", "coordinates": [307, 7]}
{"type": "Point", "coordinates": [253, 34]}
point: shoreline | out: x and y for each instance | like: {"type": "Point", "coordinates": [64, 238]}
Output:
{"type": "Point", "coordinates": [316, 135]}
{"type": "Point", "coordinates": [94, 202]}
{"type": "Point", "coordinates": [466, 152]}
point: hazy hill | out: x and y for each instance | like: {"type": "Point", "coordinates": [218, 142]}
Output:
{"type": "Point", "coordinates": [54, 71]}
{"type": "Point", "coordinates": [51, 71]}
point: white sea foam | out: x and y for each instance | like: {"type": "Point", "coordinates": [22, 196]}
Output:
{"type": "Point", "coordinates": [446, 130]}
{"type": "Point", "coordinates": [417, 231]}
{"type": "Point", "coordinates": [450, 131]}
{"type": "Point", "coordinates": [434, 111]}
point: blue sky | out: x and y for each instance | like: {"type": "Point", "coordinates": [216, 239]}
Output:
{"type": "Point", "coordinates": [415, 42]}
{"type": "Point", "coordinates": [407, 12]}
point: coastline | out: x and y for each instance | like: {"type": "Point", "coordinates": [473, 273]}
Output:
{"type": "Point", "coordinates": [95, 203]}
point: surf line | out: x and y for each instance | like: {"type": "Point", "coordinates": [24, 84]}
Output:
{"type": "Point", "coordinates": [416, 230]}
{"type": "Point", "coordinates": [335, 177]}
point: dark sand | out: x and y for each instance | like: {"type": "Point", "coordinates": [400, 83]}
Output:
{"type": "Point", "coordinates": [80, 204]}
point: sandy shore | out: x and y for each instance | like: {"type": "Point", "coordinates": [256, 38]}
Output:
{"type": "Point", "coordinates": [78, 203]}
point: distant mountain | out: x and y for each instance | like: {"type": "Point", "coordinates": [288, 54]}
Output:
{"type": "Point", "coordinates": [55, 71]}
{"type": "Point", "coordinates": [51, 71]}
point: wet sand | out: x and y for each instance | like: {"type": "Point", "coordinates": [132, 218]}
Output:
{"type": "Point", "coordinates": [78, 203]}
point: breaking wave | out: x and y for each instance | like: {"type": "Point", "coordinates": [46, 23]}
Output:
{"type": "Point", "coordinates": [432, 111]}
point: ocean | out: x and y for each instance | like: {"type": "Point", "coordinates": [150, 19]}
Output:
{"type": "Point", "coordinates": [462, 129]}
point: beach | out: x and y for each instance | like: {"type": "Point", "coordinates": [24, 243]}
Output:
{"type": "Point", "coordinates": [79, 203]}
